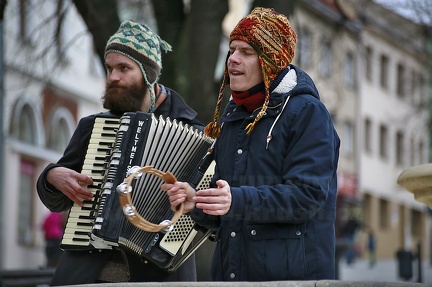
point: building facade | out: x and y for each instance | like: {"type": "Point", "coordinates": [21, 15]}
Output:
{"type": "Point", "coordinates": [51, 79]}
{"type": "Point", "coordinates": [394, 128]}
{"type": "Point", "coordinates": [369, 64]}
{"type": "Point", "coordinates": [372, 67]}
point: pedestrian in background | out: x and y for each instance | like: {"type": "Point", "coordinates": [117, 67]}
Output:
{"type": "Point", "coordinates": [371, 246]}
{"type": "Point", "coordinates": [349, 232]}
{"type": "Point", "coordinates": [53, 227]}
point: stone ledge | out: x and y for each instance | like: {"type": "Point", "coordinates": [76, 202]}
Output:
{"type": "Point", "coordinates": [316, 283]}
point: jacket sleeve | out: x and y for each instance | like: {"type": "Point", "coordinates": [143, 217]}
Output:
{"type": "Point", "coordinates": [72, 158]}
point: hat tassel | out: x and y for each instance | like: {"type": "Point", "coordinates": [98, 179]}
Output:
{"type": "Point", "coordinates": [213, 130]}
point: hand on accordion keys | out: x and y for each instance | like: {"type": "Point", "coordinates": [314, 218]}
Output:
{"type": "Point", "coordinates": [71, 183]}
{"type": "Point", "coordinates": [213, 201]}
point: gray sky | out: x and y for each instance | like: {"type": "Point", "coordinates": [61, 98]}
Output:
{"type": "Point", "coordinates": [419, 11]}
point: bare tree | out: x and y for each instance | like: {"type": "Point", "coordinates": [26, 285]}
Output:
{"type": "Point", "coordinates": [194, 34]}
{"type": "Point", "coordinates": [102, 21]}
{"type": "Point", "coordinates": [2, 8]}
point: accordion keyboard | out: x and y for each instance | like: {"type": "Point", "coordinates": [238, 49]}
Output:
{"type": "Point", "coordinates": [82, 218]}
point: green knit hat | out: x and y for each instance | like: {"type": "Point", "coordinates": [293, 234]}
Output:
{"type": "Point", "coordinates": [139, 43]}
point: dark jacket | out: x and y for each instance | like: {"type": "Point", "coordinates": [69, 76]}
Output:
{"type": "Point", "coordinates": [283, 184]}
{"type": "Point", "coordinates": [80, 267]}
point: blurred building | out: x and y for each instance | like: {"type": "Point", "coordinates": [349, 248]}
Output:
{"type": "Point", "coordinates": [394, 129]}
{"type": "Point", "coordinates": [372, 68]}
{"type": "Point", "coordinates": [51, 79]}
{"type": "Point", "coordinates": [370, 65]}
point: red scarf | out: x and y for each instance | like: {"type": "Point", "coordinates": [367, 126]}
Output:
{"type": "Point", "coordinates": [250, 99]}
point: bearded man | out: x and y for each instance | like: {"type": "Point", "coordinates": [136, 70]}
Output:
{"type": "Point", "coordinates": [133, 65]}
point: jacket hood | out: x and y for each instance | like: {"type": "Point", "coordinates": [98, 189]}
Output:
{"type": "Point", "coordinates": [294, 80]}
{"type": "Point", "coordinates": [290, 82]}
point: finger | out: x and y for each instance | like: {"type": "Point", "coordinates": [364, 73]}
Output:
{"type": "Point", "coordinates": [71, 195]}
{"type": "Point", "coordinates": [82, 191]}
{"type": "Point", "coordinates": [175, 203]}
{"type": "Point", "coordinates": [177, 198]}
{"type": "Point", "coordinates": [207, 192]}
{"type": "Point", "coordinates": [212, 199]}
{"type": "Point", "coordinates": [173, 191]}
{"type": "Point", "coordinates": [217, 211]}
{"type": "Point", "coordinates": [221, 183]}
{"type": "Point", "coordinates": [166, 186]}
{"type": "Point", "coordinates": [210, 206]}
{"type": "Point", "coordinates": [213, 191]}
{"type": "Point", "coordinates": [82, 178]}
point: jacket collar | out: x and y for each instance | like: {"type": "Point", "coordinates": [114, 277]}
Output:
{"type": "Point", "coordinates": [174, 106]}
{"type": "Point", "coordinates": [280, 90]}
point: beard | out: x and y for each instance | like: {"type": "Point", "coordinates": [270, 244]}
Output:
{"type": "Point", "coordinates": [120, 99]}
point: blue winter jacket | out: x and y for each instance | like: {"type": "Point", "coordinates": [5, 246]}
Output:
{"type": "Point", "coordinates": [281, 222]}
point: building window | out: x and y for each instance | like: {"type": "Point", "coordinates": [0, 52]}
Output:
{"type": "Point", "coordinates": [400, 83]}
{"type": "Point", "coordinates": [414, 87]}
{"type": "Point", "coordinates": [368, 136]}
{"type": "Point", "coordinates": [368, 63]}
{"type": "Point", "coordinates": [59, 136]}
{"type": "Point", "coordinates": [368, 209]}
{"type": "Point", "coordinates": [416, 223]}
{"type": "Point", "coordinates": [400, 148]}
{"type": "Point", "coordinates": [383, 142]}
{"type": "Point", "coordinates": [412, 152]}
{"type": "Point", "coordinates": [349, 70]}
{"type": "Point", "coordinates": [61, 128]}
{"type": "Point", "coordinates": [384, 63]}
{"type": "Point", "coordinates": [422, 96]}
{"type": "Point", "coordinates": [25, 130]}
{"type": "Point", "coordinates": [384, 214]}
{"type": "Point", "coordinates": [26, 217]}
{"type": "Point", "coordinates": [348, 142]}
{"type": "Point", "coordinates": [421, 152]}
{"type": "Point", "coordinates": [305, 47]}
{"type": "Point", "coordinates": [326, 59]}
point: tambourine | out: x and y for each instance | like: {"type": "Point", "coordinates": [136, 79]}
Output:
{"type": "Point", "coordinates": [125, 189]}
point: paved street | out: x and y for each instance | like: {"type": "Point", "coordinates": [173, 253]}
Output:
{"type": "Point", "coordinates": [382, 271]}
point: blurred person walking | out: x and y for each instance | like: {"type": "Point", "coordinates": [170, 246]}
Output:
{"type": "Point", "coordinates": [371, 245]}
{"type": "Point", "coordinates": [53, 227]}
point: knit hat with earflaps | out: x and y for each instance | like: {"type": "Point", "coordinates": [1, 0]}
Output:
{"type": "Point", "coordinates": [272, 36]}
{"type": "Point", "coordinates": [139, 43]}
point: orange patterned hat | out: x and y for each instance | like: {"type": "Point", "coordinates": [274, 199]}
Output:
{"type": "Point", "coordinates": [272, 36]}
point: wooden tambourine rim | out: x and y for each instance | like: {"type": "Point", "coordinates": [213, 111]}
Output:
{"type": "Point", "coordinates": [136, 219]}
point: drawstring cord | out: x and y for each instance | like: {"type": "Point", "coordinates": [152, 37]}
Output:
{"type": "Point", "coordinates": [269, 135]}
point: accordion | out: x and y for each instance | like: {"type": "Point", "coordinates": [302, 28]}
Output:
{"type": "Point", "coordinates": [117, 145]}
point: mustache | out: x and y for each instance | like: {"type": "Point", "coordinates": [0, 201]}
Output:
{"type": "Point", "coordinates": [112, 85]}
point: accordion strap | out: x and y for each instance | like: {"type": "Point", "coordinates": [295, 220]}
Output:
{"type": "Point", "coordinates": [129, 209]}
